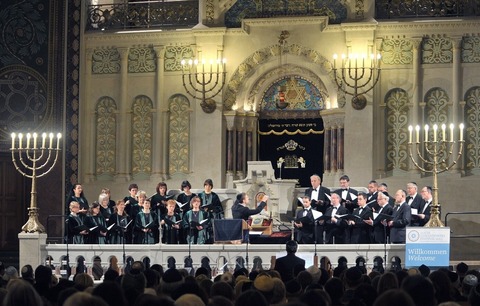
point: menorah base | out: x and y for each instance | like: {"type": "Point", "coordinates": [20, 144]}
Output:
{"type": "Point", "coordinates": [33, 225]}
{"type": "Point", "coordinates": [208, 105]}
{"type": "Point", "coordinates": [434, 218]}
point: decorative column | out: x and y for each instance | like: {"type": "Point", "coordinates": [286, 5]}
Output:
{"type": "Point", "coordinates": [158, 133]}
{"type": "Point", "coordinates": [417, 99]}
{"type": "Point", "coordinates": [333, 150]}
{"type": "Point", "coordinates": [340, 146]}
{"type": "Point", "coordinates": [327, 145]}
{"type": "Point", "coordinates": [90, 155]}
{"type": "Point", "coordinates": [124, 120]}
{"type": "Point", "coordinates": [251, 127]}
{"type": "Point", "coordinates": [456, 91]}
{"type": "Point", "coordinates": [240, 148]}
{"type": "Point", "coordinates": [229, 150]}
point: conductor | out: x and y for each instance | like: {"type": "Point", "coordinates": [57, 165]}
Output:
{"type": "Point", "coordinates": [240, 208]}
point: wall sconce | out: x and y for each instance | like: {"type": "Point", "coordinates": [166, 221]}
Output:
{"type": "Point", "coordinates": [355, 76]}
{"type": "Point", "coordinates": [205, 81]}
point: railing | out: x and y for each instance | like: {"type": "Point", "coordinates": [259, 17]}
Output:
{"type": "Point", "coordinates": [223, 257]}
{"type": "Point", "coordinates": [394, 9]}
{"type": "Point", "coordinates": [461, 213]}
{"type": "Point", "coordinates": [153, 14]}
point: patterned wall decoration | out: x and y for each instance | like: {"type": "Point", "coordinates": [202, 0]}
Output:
{"type": "Point", "coordinates": [106, 140]}
{"type": "Point", "coordinates": [209, 12]}
{"type": "Point", "coordinates": [105, 61]}
{"type": "Point", "coordinates": [396, 101]}
{"type": "Point", "coordinates": [24, 105]}
{"type": "Point", "coordinates": [335, 10]}
{"type": "Point", "coordinates": [142, 134]}
{"type": "Point", "coordinates": [141, 59]}
{"type": "Point", "coordinates": [437, 50]}
{"type": "Point", "coordinates": [174, 55]}
{"type": "Point", "coordinates": [72, 95]}
{"type": "Point", "coordinates": [471, 49]}
{"type": "Point", "coordinates": [24, 34]}
{"type": "Point", "coordinates": [179, 135]}
{"type": "Point", "coordinates": [472, 122]}
{"type": "Point", "coordinates": [260, 57]}
{"type": "Point", "coordinates": [397, 51]}
{"type": "Point", "coordinates": [292, 93]}
{"type": "Point", "coordinates": [436, 107]}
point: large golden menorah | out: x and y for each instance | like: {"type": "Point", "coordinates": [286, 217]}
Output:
{"type": "Point", "coordinates": [437, 153]}
{"type": "Point", "coordinates": [37, 159]}
{"type": "Point", "coordinates": [205, 81]}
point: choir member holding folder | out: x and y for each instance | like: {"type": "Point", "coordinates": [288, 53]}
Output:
{"type": "Point", "coordinates": [146, 225]}
{"type": "Point", "coordinates": [119, 225]}
{"type": "Point", "coordinates": [159, 199]}
{"type": "Point", "coordinates": [360, 231]}
{"type": "Point", "coordinates": [171, 224]}
{"type": "Point", "coordinates": [183, 199]}
{"type": "Point", "coordinates": [97, 225]}
{"type": "Point", "coordinates": [196, 223]}
{"type": "Point", "coordinates": [76, 229]}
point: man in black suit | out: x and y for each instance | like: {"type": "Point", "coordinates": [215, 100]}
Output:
{"type": "Point", "coordinates": [304, 223]}
{"type": "Point", "coordinates": [402, 216]}
{"type": "Point", "coordinates": [380, 230]}
{"type": "Point", "coordinates": [372, 195]}
{"type": "Point", "coordinates": [318, 195]}
{"type": "Point", "coordinates": [423, 215]}
{"type": "Point", "coordinates": [240, 208]}
{"type": "Point", "coordinates": [382, 187]}
{"type": "Point", "coordinates": [347, 195]}
{"type": "Point", "coordinates": [414, 200]}
{"type": "Point", "coordinates": [359, 229]}
{"type": "Point", "coordinates": [285, 265]}
{"type": "Point", "coordinates": [335, 228]}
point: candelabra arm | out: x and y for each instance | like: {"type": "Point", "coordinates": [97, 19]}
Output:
{"type": "Point", "coordinates": [419, 154]}
{"type": "Point", "coordinates": [52, 164]}
{"type": "Point", "coordinates": [415, 162]}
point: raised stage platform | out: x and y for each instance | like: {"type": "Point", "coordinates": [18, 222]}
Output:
{"type": "Point", "coordinates": [219, 255]}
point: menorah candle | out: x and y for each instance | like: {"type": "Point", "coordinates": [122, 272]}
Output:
{"type": "Point", "coordinates": [443, 132]}
{"type": "Point", "coordinates": [410, 130]}
{"type": "Point", "coordinates": [451, 132]}
{"type": "Point", "coordinates": [435, 128]}
{"type": "Point", "coordinates": [44, 136]}
{"type": "Point", "coordinates": [58, 140]}
{"type": "Point", "coordinates": [426, 132]}
{"type": "Point", "coordinates": [461, 131]}
{"type": "Point", "coordinates": [34, 141]}
{"type": "Point", "coordinates": [417, 130]}
{"type": "Point", "coordinates": [51, 140]}
{"type": "Point", "coordinates": [28, 141]}
{"type": "Point", "coordinates": [20, 138]}
{"type": "Point", "coordinates": [13, 140]}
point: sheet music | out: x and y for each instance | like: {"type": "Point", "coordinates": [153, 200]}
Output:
{"type": "Point", "coordinates": [91, 229]}
{"type": "Point", "coordinates": [110, 227]}
{"type": "Point", "coordinates": [354, 197]}
{"type": "Point", "coordinates": [316, 214]}
{"type": "Point", "coordinates": [414, 211]}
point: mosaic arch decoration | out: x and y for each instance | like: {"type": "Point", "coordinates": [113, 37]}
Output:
{"type": "Point", "coordinates": [292, 93]}
{"type": "Point", "coordinates": [256, 93]}
{"type": "Point", "coordinates": [262, 56]}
